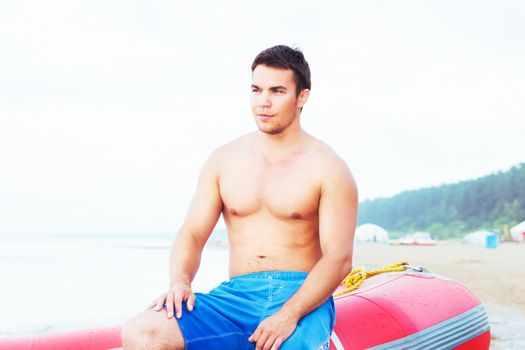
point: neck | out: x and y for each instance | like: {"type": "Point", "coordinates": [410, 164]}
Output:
{"type": "Point", "coordinates": [285, 142]}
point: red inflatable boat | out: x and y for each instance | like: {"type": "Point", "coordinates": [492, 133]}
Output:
{"type": "Point", "coordinates": [396, 310]}
{"type": "Point", "coordinates": [412, 309]}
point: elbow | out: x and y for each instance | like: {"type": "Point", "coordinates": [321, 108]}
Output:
{"type": "Point", "coordinates": [346, 265]}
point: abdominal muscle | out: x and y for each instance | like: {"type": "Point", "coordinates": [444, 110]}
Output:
{"type": "Point", "coordinates": [274, 247]}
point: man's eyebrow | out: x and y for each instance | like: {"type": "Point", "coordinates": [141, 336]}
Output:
{"type": "Point", "coordinates": [278, 87]}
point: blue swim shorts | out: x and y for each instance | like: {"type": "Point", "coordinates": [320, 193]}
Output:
{"type": "Point", "coordinates": [225, 317]}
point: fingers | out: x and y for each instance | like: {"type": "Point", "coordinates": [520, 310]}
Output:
{"type": "Point", "coordinates": [263, 340]}
{"type": "Point", "coordinates": [261, 343]}
{"type": "Point", "coordinates": [157, 303]}
{"type": "Point", "coordinates": [272, 343]}
{"type": "Point", "coordinates": [178, 304]}
{"type": "Point", "coordinates": [169, 305]}
{"type": "Point", "coordinates": [273, 332]}
{"type": "Point", "coordinates": [152, 304]}
{"type": "Point", "coordinates": [278, 342]}
{"type": "Point", "coordinates": [255, 336]}
{"type": "Point", "coordinates": [172, 301]}
{"type": "Point", "coordinates": [190, 303]}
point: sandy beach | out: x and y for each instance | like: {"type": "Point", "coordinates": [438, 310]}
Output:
{"type": "Point", "coordinates": [496, 276]}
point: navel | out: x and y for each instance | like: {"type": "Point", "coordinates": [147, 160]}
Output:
{"type": "Point", "coordinates": [295, 215]}
{"type": "Point", "coordinates": [261, 256]}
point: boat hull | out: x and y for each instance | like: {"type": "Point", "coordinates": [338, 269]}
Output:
{"type": "Point", "coordinates": [410, 311]}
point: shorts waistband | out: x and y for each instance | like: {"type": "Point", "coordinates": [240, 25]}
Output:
{"type": "Point", "coordinates": [280, 275]}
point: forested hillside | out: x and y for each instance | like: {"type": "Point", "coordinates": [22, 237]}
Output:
{"type": "Point", "coordinates": [451, 210]}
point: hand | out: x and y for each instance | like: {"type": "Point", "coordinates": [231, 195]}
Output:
{"type": "Point", "coordinates": [173, 299]}
{"type": "Point", "coordinates": [273, 331]}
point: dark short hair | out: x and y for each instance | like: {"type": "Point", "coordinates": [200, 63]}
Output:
{"type": "Point", "coordinates": [285, 57]}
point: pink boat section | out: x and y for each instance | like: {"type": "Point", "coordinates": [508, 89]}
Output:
{"type": "Point", "coordinates": [92, 339]}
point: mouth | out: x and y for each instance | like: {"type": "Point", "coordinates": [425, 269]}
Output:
{"type": "Point", "coordinates": [264, 117]}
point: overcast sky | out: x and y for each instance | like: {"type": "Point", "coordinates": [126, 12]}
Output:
{"type": "Point", "coordinates": [109, 108]}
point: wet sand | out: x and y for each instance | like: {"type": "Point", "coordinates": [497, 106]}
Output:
{"type": "Point", "coordinates": [496, 276]}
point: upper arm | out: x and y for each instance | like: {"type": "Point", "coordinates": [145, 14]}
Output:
{"type": "Point", "coordinates": [337, 209]}
{"type": "Point", "coordinates": [206, 205]}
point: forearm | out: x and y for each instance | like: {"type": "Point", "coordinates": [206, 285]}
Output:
{"type": "Point", "coordinates": [320, 284]}
{"type": "Point", "coordinates": [185, 257]}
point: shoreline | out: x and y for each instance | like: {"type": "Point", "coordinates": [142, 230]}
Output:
{"type": "Point", "coordinates": [495, 276]}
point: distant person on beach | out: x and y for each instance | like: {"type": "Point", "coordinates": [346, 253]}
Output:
{"type": "Point", "coordinates": [289, 204]}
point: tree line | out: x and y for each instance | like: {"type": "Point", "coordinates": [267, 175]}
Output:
{"type": "Point", "coordinates": [451, 210]}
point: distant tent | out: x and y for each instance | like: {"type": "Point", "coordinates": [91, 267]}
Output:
{"type": "Point", "coordinates": [478, 237]}
{"type": "Point", "coordinates": [370, 233]}
{"type": "Point", "coordinates": [517, 233]}
{"type": "Point", "coordinates": [417, 238]}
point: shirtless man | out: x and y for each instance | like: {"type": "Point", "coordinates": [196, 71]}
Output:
{"type": "Point", "coordinates": [289, 204]}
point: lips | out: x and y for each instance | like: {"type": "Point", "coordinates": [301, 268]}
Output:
{"type": "Point", "coordinates": [264, 117]}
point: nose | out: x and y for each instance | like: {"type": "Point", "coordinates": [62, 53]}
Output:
{"type": "Point", "coordinates": [264, 100]}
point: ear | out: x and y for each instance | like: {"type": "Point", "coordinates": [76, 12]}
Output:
{"type": "Point", "coordinates": [303, 97]}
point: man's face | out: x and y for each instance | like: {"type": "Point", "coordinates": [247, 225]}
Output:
{"type": "Point", "coordinates": [275, 104]}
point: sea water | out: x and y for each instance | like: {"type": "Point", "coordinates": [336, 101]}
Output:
{"type": "Point", "coordinates": [65, 282]}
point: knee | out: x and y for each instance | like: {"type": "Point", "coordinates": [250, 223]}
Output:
{"type": "Point", "coordinates": [136, 334]}
{"type": "Point", "coordinates": [145, 331]}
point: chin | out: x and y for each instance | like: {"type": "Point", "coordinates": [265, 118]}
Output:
{"type": "Point", "coordinates": [271, 131]}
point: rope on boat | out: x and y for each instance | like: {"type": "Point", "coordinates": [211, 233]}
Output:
{"type": "Point", "coordinates": [357, 276]}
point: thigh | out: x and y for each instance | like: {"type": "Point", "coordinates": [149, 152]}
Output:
{"type": "Point", "coordinates": [314, 330]}
{"type": "Point", "coordinates": [220, 320]}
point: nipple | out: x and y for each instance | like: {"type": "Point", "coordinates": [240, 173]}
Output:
{"type": "Point", "coordinates": [296, 215]}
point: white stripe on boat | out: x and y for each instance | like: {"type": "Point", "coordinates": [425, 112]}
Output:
{"type": "Point", "coordinates": [337, 342]}
{"type": "Point", "coordinates": [444, 335]}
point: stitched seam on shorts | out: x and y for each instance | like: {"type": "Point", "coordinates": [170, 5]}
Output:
{"type": "Point", "coordinates": [279, 289]}
{"type": "Point", "coordinates": [216, 336]}
{"type": "Point", "coordinates": [268, 303]}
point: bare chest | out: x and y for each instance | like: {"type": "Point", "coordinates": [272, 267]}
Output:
{"type": "Point", "coordinates": [289, 189]}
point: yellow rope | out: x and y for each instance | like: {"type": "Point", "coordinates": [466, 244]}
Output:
{"type": "Point", "coordinates": [358, 275]}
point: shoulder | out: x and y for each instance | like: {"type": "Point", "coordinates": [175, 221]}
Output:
{"type": "Point", "coordinates": [326, 158]}
{"type": "Point", "coordinates": [236, 145]}
{"type": "Point", "coordinates": [228, 151]}
{"type": "Point", "coordinates": [333, 170]}
{"type": "Point", "coordinates": [240, 144]}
